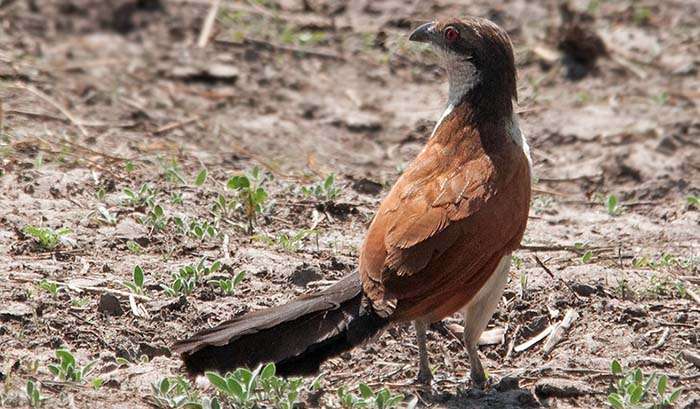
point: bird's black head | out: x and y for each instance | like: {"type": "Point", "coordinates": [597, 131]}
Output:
{"type": "Point", "coordinates": [478, 57]}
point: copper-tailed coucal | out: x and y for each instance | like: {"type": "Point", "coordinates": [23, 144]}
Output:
{"type": "Point", "coordinates": [440, 242]}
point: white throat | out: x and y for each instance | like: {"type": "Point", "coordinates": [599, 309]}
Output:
{"type": "Point", "coordinates": [513, 128]}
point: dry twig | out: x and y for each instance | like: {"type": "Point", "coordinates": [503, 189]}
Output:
{"type": "Point", "coordinates": [205, 34]}
{"type": "Point", "coordinates": [55, 104]}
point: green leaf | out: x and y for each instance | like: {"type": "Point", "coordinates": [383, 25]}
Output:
{"type": "Point", "coordinates": [616, 368]}
{"type": "Point", "coordinates": [612, 205]}
{"type": "Point", "coordinates": [268, 371]}
{"type": "Point", "coordinates": [234, 388]}
{"type": "Point", "coordinates": [587, 256]}
{"type": "Point", "coordinates": [201, 177]}
{"type": "Point", "coordinates": [239, 277]}
{"type": "Point", "coordinates": [65, 357]}
{"type": "Point", "coordinates": [661, 386]}
{"type": "Point", "coordinates": [138, 276]}
{"type": "Point", "coordinates": [218, 381]}
{"type": "Point", "coordinates": [615, 401]}
{"type": "Point", "coordinates": [365, 391]}
{"type": "Point", "coordinates": [636, 395]}
{"type": "Point", "coordinates": [238, 182]}
{"type": "Point", "coordinates": [675, 395]}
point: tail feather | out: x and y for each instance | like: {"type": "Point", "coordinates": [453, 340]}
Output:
{"type": "Point", "coordinates": [297, 336]}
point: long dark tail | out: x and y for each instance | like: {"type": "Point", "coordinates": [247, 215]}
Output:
{"type": "Point", "coordinates": [297, 336]}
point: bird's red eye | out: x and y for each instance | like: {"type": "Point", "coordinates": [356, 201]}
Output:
{"type": "Point", "coordinates": [451, 34]}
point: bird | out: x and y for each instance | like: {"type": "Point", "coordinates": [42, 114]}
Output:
{"type": "Point", "coordinates": [439, 243]}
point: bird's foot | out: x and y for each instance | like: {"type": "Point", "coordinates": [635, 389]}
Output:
{"type": "Point", "coordinates": [479, 380]}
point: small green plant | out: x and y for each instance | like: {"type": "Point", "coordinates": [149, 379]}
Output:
{"type": "Point", "coordinates": [228, 285]}
{"type": "Point", "coordinates": [79, 302]}
{"type": "Point", "coordinates": [176, 393]}
{"type": "Point", "coordinates": [143, 197]}
{"type": "Point", "coordinates": [186, 279]}
{"type": "Point", "coordinates": [172, 172]}
{"type": "Point", "coordinates": [642, 15]}
{"type": "Point", "coordinates": [612, 204]}
{"type": "Point", "coordinates": [292, 242]}
{"type": "Point", "coordinates": [247, 389]}
{"type": "Point", "coordinates": [97, 383]}
{"type": "Point", "coordinates": [325, 190]}
{"type": "Point", "coordinates": [176, 198]}
{"type": "Point", "coordinates": [134, 247]}
{"type": "Point", "coordinates": [382, 399]}
{"type": "Point", "coordinates": [250, 193]}
{"type": "Point", "coordinates": [67, 369]}
{"type": "Point", "coordinates": [137, 280]}
{"type": "Point", "coordinates": [156, 218]}
{"type": "Point", "coordinates": [223, 207]}
{"type": "Point", "coordinates": [693, 202]}
{"type": "Point", "coordinates": [47, 238]}
{"type": "Point", "coordinates": [586, 257]}
{"type": "Point", "coordinates": [50, 287]}
{"type": "Point", "coordinates": [105, 216]}
{"type": "Point", "coordinates": [199, 229]}
{"type": "Point", "coordinates": [34, 397]}
{"type": "Point", "coordinates": [201, 177]}
{"type": "Point", "coordinates": [522, 289]}
{"type": "Point", "coordinates": [634, 390]}
{"type": "Point", "coordinates": [623, 289]}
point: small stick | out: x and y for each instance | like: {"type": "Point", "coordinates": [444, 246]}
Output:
{"type": "Point", "coordinates": [662, 339]}
{"type": "Point", "coordinates": [558, 333]}
{"type": "Point", "coordinates": [494, 336]}
{"type": "Point", "coordinates": [225, 253]}
{"type": "Point", "coordinates": [537, 338]}
{"type": "Point", "coordinates": [693, 295]}
{"type": "Point", "coordinates": [55, 104]}
{"type": "Point", "coordinates": [205, 34]}
{"type": "Point", "coordinates": [511, 344]}
{"type": "Point", "coordinates": [174, 125]}
{"type": "Point", "coordinates": [692, 357]}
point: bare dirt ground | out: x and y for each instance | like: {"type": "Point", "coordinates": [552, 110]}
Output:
{"type": "Point", "coordinates": [98, 97]}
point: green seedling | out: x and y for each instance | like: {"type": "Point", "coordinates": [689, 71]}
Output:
{"type": "Point", "coordinates": [178, 393]}
{"type": "Point", "coordinates": [68, 370]}
{"type": "Point", "coordinates": [47, 238]}
{"type": "Point", "coordinates": [587, 257]}
{"type": "Point", "coordinates": [134, 247]}
{"type": "Point", "coordinates": [251, 194]}
{"type": "Point", "coordinates": [247, 389]}
{"type": "Point", "coordinates": [228, 285]}
{"type": "Point", "coordinates": [325, 190]}
{"type": "Point", "coordinates": [612, 204]}
{"type": "Point", "coordinates": [50, 287]}
{"type": "Point", "coordinates": [634, 390]}
{"type": "Point", "coordinates": [156, 218]}
{"type": "Point", "coordinates": [382, 399]}
{"type": "Point", "coordinates": [143, 197]}
{"type": "Point", "coordinates": [199, 229]}
{"type": "Point", "coordinates": [137, 280]}
{"type": "Point", "coordinates": [201, 177]}
{"type": "Point", "coordinates": [693, 202]}
{"type": "Point", "coordinates": [105, 216]}
{"type": "Point", "coordinates": [176, 198]}
{"type": "Point", "coordinates": [34, 396]}
{"type": "Point", "coordinates": [186, 279]}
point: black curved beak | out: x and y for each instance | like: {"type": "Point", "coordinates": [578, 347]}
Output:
{"type": "Point", "coordinates": [424, 33]}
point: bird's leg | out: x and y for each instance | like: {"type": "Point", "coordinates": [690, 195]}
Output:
{"type": "Point", "coordinates": [477, 315]}
{"type": "Point", "coordinates": [424, 375]}
{"type": "Point", "coordinates": [476, 370]}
